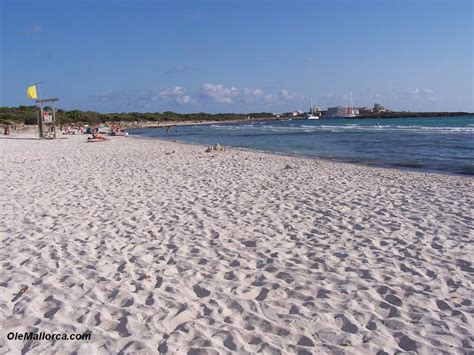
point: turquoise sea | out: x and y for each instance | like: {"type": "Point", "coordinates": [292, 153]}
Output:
{"type": "Point", "coordinates": [443, 144]}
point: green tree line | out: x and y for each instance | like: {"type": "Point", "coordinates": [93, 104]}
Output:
{"type": "Point", "coordinates": [27, 115]}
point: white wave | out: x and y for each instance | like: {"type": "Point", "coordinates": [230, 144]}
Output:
{"type": "Point", "coordinates": [351, 127]}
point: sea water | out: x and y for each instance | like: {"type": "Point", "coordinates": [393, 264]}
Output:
{"type": "Point", "coordinates": [444, 144]}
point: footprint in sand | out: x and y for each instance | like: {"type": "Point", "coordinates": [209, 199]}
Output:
{"type": "Point", "coordinates": [121, 328]}
{"type": "Point", "coordinates": [159, 281]}
{"type": "Point", "coordinates": [263, 294]}
{"type": "Point", "coordinates": [229, 343]}
{"type": "Point", "coordinates": [50, 314]}
{"type": "Point", "coordinates": [283, 332]}
{"type": "Point", "coordinates": [53, 310]}
{"type": "Point", "coordinates": [249, 243]}
{"type": "Point", "coordinates": [466, 302]}
{"type": "Point", "coordinates": [407, 344]}
{"type": "Point", "coordinates": [346, 325]}
{"type": "Point", "coordinates": [305, 341]}
{"type": "Point", "coordinates": [371, 325]}
{"type": "Point", "coordinates": [235, 263]}
{"type": "Point", "coordinates": [121, 267]}
{"type": "Point", "coordinates": [294, 310]}
{"type": "Point", "coordinates": [382, 290]}
{"type": "Point", "coordinates": [229, 275]}
{"type": "Point", "coordinates": [443, 306]}
{"type": "Point", "coordinates": [163, 347]}
{"type": "Point", "coordinates": [323, 293]}
{"type": "Point", "coordinates": [271, 269]}
{"type": "Point", "coordinates": [150, 301]}
{"type": "Point", "coordinates": [394, 300]}
{"type": "Point", "coordinates": [200, 291]}
{"type": "Point", "coordinates": [113, 295]}
{"type": "Point", "coordinates": [285, 277]}
{"type": "Point", "coordinates": [465, 265]}
{"type": "Point", "coordinates": [207, 311]}
{"type": "Point", "coordinates": [97, 319]}
{"type": "Point", "coordinates": [19, 308]}
{"type": "Point", "coordinates": [127, 302]}
{"type": "Point", "coordinates": [255, 341]}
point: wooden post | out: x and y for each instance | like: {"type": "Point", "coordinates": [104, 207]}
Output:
{"type": "Point", "coordinates": [38, 115]}
{"type": "Point", "coordinates": [54, 119]}
{"type": "Point", "coordinates": [40, 121]}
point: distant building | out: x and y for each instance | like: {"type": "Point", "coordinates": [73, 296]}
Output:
{"type": "Point", "coordinates": [339, 111]}
{"type": "Point", "coordinates": [296, 113]}
{"type": "Point", "coordinates": [365, 109]}
{"type": "Point", "coordinates": [379, 108]}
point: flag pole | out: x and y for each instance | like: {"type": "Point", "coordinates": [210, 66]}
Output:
{"type": "Point", "coordinates": [40, 117]}
{"type": "Point", "coordinates": [39, 91]}
{"type": "Point", "coordinates": [40, 106]}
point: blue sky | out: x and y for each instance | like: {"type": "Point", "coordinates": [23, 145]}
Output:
{"type": "Point", "coordinates": [238, 56]}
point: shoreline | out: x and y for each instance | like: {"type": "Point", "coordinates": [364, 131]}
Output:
{"type": "Point", "coordinates": [192, 123]}
{"type": "Point", "coordinates": [151, 124]}
{"type": "Point", "coordinates": [156, 245]}
{"type": "Point", "coordinates": [317, 158]}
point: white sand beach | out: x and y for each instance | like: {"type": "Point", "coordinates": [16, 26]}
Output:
{"type": "Point", "coordinates": [156, 246]}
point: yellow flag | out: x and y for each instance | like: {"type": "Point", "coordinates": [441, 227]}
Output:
{"type": "Point", "coordinates": [31, 92]}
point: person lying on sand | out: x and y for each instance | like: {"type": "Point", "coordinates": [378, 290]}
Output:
{"type": "Point", "coordinates": [95, 135]}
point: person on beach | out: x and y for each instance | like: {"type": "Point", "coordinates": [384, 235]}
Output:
{"type": "Point", "coordinates": [95, 134]}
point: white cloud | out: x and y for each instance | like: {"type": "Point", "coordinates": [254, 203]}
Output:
{"type": "Point", "coordinates": [207, 94]}
{"type": "Point", "coordinates": [268, 97]}
{"type": "Point", "coordinates": [253, 92]}
{"type": "Point", "coordinates": [285, 95]}
{"type": "Point", "coordinates": [219, 94]}
{"type": "Point", "coordinates": [175, 94]}
{"type": "Point", "coordinates": [420, 92]}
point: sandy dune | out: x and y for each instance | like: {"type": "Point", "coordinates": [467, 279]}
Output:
{"type": "Point", "coordinates": [159, 247]}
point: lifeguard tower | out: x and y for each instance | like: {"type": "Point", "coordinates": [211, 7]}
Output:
{"type": "Point", "coordinates": [47, 118]}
